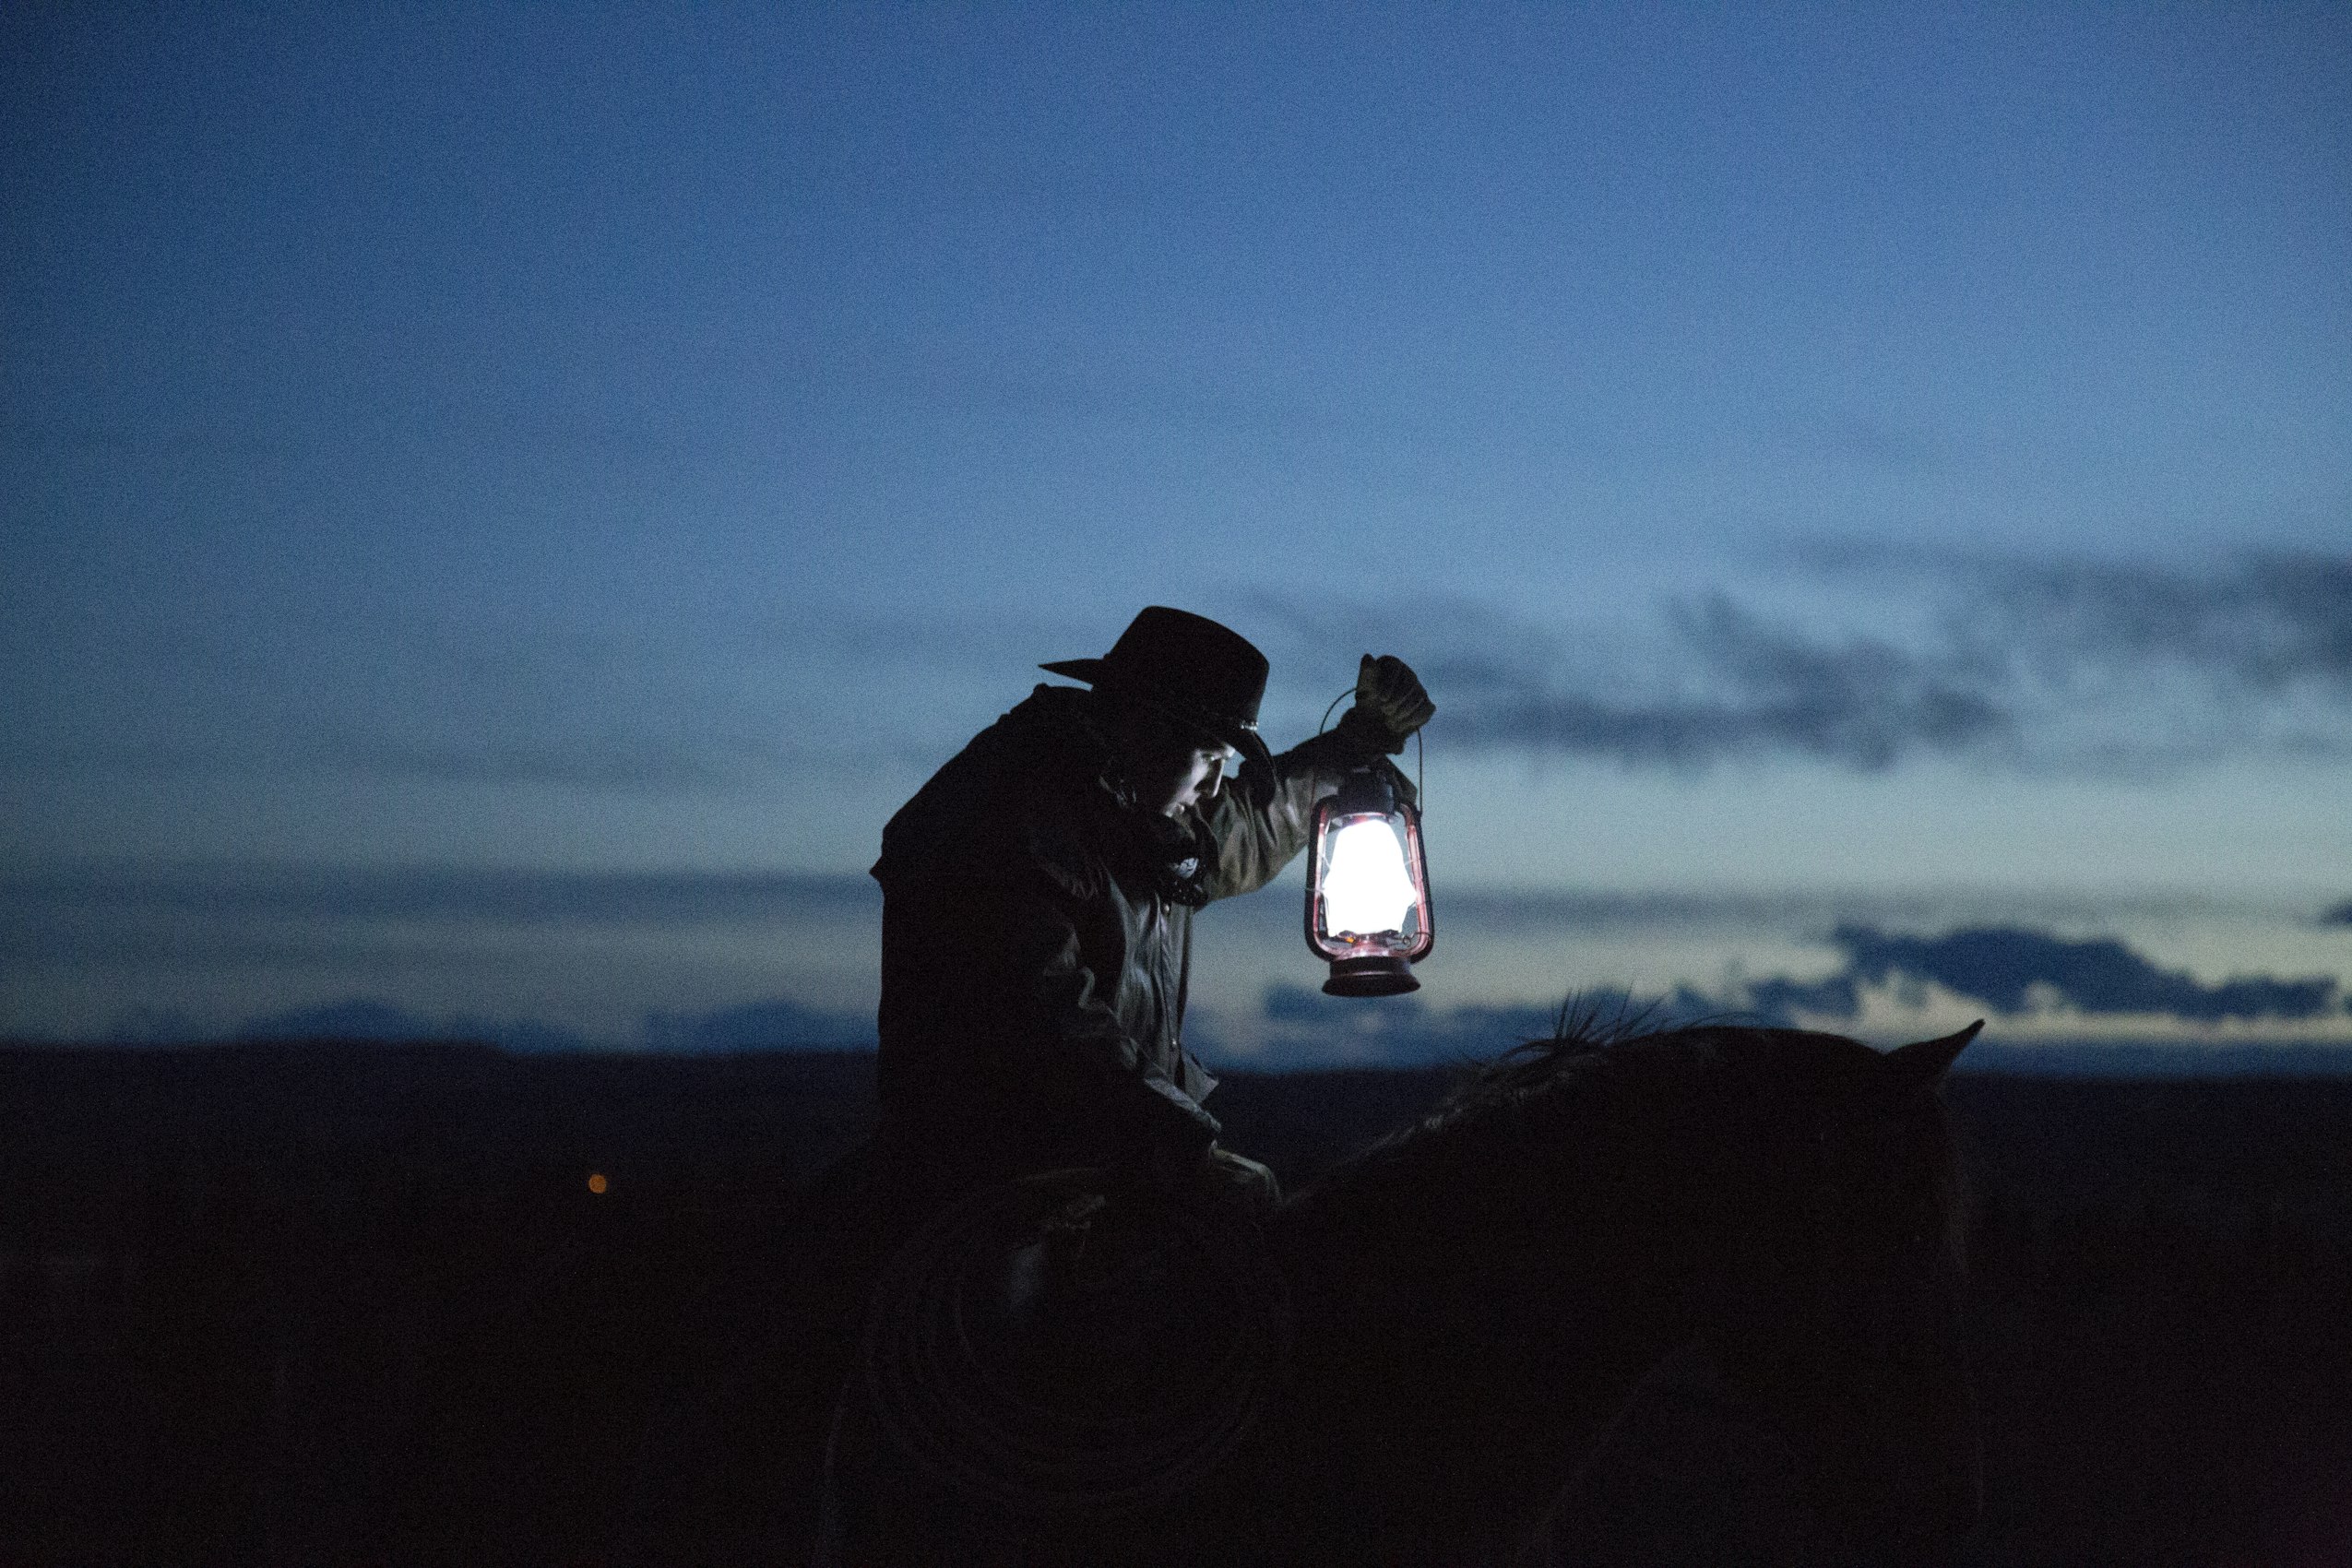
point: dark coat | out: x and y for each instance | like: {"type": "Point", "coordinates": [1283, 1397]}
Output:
{"type": "Point", "coordinates": [1037, 944]}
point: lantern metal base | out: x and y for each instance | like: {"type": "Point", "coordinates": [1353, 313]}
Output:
{"type": "Point", "coordinates": [1370, 977]}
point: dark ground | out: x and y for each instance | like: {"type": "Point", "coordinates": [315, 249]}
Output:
{"type": "Point", "coordinates": [356, 1303]}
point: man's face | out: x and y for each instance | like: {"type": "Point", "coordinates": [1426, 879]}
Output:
{"type": "Point", "coordinates": [1182, 776]}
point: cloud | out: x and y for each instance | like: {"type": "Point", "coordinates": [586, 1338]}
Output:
{"type": "Point", "coordinates": [2340, 915]}
{"type": "Point", "coordinates": [639, 767]}
{"type": "Point", "coordinates": [2012, 661]}
{"type": "Point", "coordinates": [2261, 624]}
{"type": "Point", "coordinates": [1303, 1029]}
{"type": "Point", "coordinates": [2005, 971]}
{"type": "Point", "coordinates": [1857, 657]}
{"type": "Point", "coordinates": [1762, 689]}
{"type": "Point", "coordinates": [736, 700]}
{"type": "Point", "coordinates": [2016, 971]}
{"type": "Point", "coordinates": [359, 1017]}
{"type": "Point", "coordinates": [366, 1018]}
{"type": "Point", "coordinates": [400, 926]}
{"type": "Point", "coordinates": [220, 686]}
{"type": "Point", "coordinates": [1312, 1034]}
{"type": "Point", "coordinates": [779, 1024]}
{"type": "Point", "coordinates": [91, 898]}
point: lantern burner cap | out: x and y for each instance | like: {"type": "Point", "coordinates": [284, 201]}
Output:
{"type": "Point", "coordinates": [1380, 976]}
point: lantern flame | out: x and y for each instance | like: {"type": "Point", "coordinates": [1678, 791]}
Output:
{"type": "Point", "coordinates": [1366, 887]}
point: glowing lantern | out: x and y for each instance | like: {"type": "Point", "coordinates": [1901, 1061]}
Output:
{"type": "Point", "coordinates": [1368, 906]}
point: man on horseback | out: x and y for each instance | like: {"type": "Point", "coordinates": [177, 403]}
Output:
{"type": "Point", "coordinates": [1037, 898]}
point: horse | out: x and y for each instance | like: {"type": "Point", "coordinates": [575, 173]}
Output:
{"type": "Point", "coordinates": [1626, 1295]}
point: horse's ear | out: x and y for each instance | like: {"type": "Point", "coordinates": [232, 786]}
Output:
{"type": "Point", "coordinates": [1923, 1065]}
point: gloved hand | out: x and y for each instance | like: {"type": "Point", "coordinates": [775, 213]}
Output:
{"type": "Point", "coordinates": [1235, 1179]}
{"type": "Point", "coordinates": [1390, 705]}
{"type": "Point", "coordinates": [1215, 1175]}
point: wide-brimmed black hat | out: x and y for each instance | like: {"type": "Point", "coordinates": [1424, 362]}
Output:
{"type": "Point", "coordinates": [1186, 666]}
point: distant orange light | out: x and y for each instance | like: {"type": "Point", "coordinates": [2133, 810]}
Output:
{"type": "Point", "coordinates": [597, 1184]}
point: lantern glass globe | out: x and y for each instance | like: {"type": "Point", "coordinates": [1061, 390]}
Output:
{"type": "Point", "coordinates": [1368, 906]}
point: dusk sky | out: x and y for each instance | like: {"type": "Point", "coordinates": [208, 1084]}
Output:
{"type": "Point", "coordinates": [498, 505]}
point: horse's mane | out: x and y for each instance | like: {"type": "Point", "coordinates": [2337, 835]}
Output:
{"type": "Point", "coordinates": [1524, 1093]}
{"type": "Point", "coordinates": [1607, 1087]}
{"type": "Point", "coordinates": [1583, 1043]}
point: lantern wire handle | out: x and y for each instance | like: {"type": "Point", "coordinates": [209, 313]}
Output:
{"type": "Point", "coordinates": [1420, 747]}
{"type": "Point", "coordinates": [1325, 721]}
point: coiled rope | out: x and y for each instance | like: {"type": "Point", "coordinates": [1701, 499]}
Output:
{"type": "Point", "coordinates": [1070, 1349]}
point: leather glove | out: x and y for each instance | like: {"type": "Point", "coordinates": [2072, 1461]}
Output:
{"type": "Point", "coordinates": [1390, 706]}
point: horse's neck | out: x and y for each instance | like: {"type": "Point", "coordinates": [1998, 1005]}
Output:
{"type": "Point", "coordinates": [1458, 1357]}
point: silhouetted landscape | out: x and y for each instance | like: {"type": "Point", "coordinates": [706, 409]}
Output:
{"type": "Point", "coordinates": [334, 1303]}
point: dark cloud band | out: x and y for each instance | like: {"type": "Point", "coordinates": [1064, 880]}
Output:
{"type": "Point", "coordinates": [2036, 664]}
{"type": "Point", "coordinates": [84, 896]}
{"type": "Point", "coordinates": [2016, 971]}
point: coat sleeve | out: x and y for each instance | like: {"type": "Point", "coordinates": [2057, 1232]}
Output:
{"type": "Point", "coordinates": [1026, 991]}
{"type": "Point", "coordinates": [1256, 840]}
{"type": "Point", "coordinates": [1077, 1040]}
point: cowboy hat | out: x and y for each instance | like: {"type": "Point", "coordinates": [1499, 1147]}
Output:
{"type": "Point", "coordinates": [1208, 677]}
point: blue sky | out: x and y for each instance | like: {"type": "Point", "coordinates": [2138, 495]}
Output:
{"type": "Point", "coordinates": [1867, 465]}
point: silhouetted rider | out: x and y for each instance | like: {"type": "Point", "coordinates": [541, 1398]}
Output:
{"type": "Point", "coordinates": [1037, 899]}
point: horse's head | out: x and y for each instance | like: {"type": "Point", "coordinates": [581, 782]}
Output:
{"type": "Point", "coordinates": [1831, 1274]}
{"type": "Point", "coordinates": [1821, 1181]}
